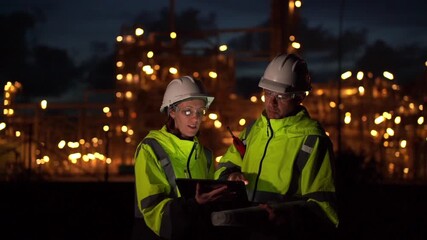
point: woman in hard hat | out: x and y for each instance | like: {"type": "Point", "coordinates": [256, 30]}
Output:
{"type": "Point", "coordinates": [174, 152]}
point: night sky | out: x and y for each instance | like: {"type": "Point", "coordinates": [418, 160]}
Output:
{"type": "Point", "coordinates": [76, 25]}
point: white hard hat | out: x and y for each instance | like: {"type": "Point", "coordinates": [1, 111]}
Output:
{"type": "Point", "coordinates": [184, 88]}
{"type": "Point", "coordinates": [286, 73]}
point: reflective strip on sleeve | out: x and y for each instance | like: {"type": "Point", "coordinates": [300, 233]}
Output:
{"type": "Point", "coordinates": [164, 161]}
{"type": "Point", "coordinates": [152, 200]}
{"type": "Point", "coordinates": [305, 152]}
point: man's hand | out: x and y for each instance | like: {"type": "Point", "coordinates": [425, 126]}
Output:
{"type": "Point", "coordinates": [277, 219]}
{"type": "Point", "coordinates": [236, 176]}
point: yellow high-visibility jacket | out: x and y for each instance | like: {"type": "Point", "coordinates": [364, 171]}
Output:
{"type": "Point", "coordinates": [270, 163]}
{"type": "Point", "coordinates": [164, 211]}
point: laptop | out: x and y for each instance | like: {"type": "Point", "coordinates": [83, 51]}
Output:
{"type": "Point", "coordinates": [235, 196]}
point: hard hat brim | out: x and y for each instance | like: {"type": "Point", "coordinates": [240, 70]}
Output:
{"type": "Point", "coordinates": [274, 86]}
{"type": "Point", "coordinates": [207, 99]}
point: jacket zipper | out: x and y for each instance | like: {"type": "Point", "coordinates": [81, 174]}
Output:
{"type": "Point", "coordinates": [263, 157]}
{"type": "Point", "coordinates": [189, 158]}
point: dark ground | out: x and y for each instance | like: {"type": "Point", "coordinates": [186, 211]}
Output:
{"type": "Point", "coordinates": [105, 211]}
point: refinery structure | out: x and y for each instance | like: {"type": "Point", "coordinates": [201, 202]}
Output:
{"type": "Point", "coordinates": [365, 114]}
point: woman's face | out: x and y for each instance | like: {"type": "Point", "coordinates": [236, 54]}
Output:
{"type": "Point", "coordinates": [188, 116]}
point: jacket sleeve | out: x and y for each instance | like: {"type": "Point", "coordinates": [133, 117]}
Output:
{"type": "Point", "coordinates": [168, 216]}
{"type": "Point", "coordinates": [317, 180]}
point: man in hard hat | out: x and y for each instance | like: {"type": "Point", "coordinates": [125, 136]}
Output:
{"type": "Point", "coordinates": [174, 152]}
{"type": "Point", "coordinates": [288, 162]}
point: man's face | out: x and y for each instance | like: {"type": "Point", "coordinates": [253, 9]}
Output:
{"type": "Point", "coordinates": [279, 105]}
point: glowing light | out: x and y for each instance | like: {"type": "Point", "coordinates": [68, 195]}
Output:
{"type": "Point", "coordinates": [2, 126]}
{"type": "Point", "coordinates": [242, 122]}
{"type": "Point", "coordinates": [213, 74]}
{"type": "Point", "coordinates": [374, 133]}
{"type": "Point", "coordinates": [296, 45]}
{"type": "Point", "coordinates": [150, 54]}
{"type": "Point", "coordinates": [139, 31]}
{"type": "Point", "coordinates": [128, 94]}
{"type": "Point", "coordinates": [350, 91]}
{"type": "Point", "coordinates": [173, 70]}
{"type": "Point", "coordinates": [106, 109]}
{"type": "Point", "coordinates": [213, 116]}
{"type": "Point", "coordinates": [74, 156]}
{"type": "Point", "coordinates": [124, 128]}
{"type": "Point", "coordinates": [359, 75]}
{"type": "Point", "coordinates": [387, 115]}
{"type": "Point", "coordinates": [403, 144]}
{"type": "Point", "coordinates": [332, 104]}
{"type": "Point", "coordinates": [298, 3]}
{"type": "Point", "coordinates": [119, 77]}
{"type": "Point", "coordinates": [119, 64]}
{"type": "Point", "coordinates": [119, 38]}
{"type": "Point", "coordinates": [129, 77]}
{"type": "Point", "coordinates": [223, 48]}
{"type": "Point", "coordinates": [347, 118]}
{"type": "Point", "coordinates": [386, 136]}
{"type": "Point", "coordinates": [379, 120]}
{"type": "Point", "coordinates": [217, 124]}
{"type": "Point", "coordinates": [218, 159]}
{"type": "Point", "coordinates": [43, 104]}
{"type": "Point", "coordinates": [388, 75]}
{"type": "Point", "coordinates": [420, 120]}
{"type": "Point", "coordinates": [397, 119]}
{"type": "Point", "coordinates": [173, 35]}
{"type": "Point", "coordinates": [85, 158]}
{"type": "Point", "coordinates": [361, 91]}
{"type": "Point", "coordinates": [345, 75]}
{"type": "Point", "coordinates": [105, 128]}
{"type": "Point", "coordinates": [254, 99]}
{"type": "Point", "coordinates": [386, 144]}
{"type": "Point", "coordinates": [73, 144]}
{"type": "Point", "coordinates": [61, 144]}
{"type": "Point", "coordinates": [390, 131]}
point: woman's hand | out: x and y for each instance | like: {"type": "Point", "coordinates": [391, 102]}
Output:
{"type": "Point", "coordinates": [206, 197]}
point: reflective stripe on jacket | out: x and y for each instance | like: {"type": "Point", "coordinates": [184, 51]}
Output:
{"type": "Point", "coordinates": [272, 148]}
{"type": "Point", "coordinates": [153, 191]}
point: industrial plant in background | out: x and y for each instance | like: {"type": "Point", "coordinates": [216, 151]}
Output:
{"type": "Point", "coordinates": [367, 115]}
